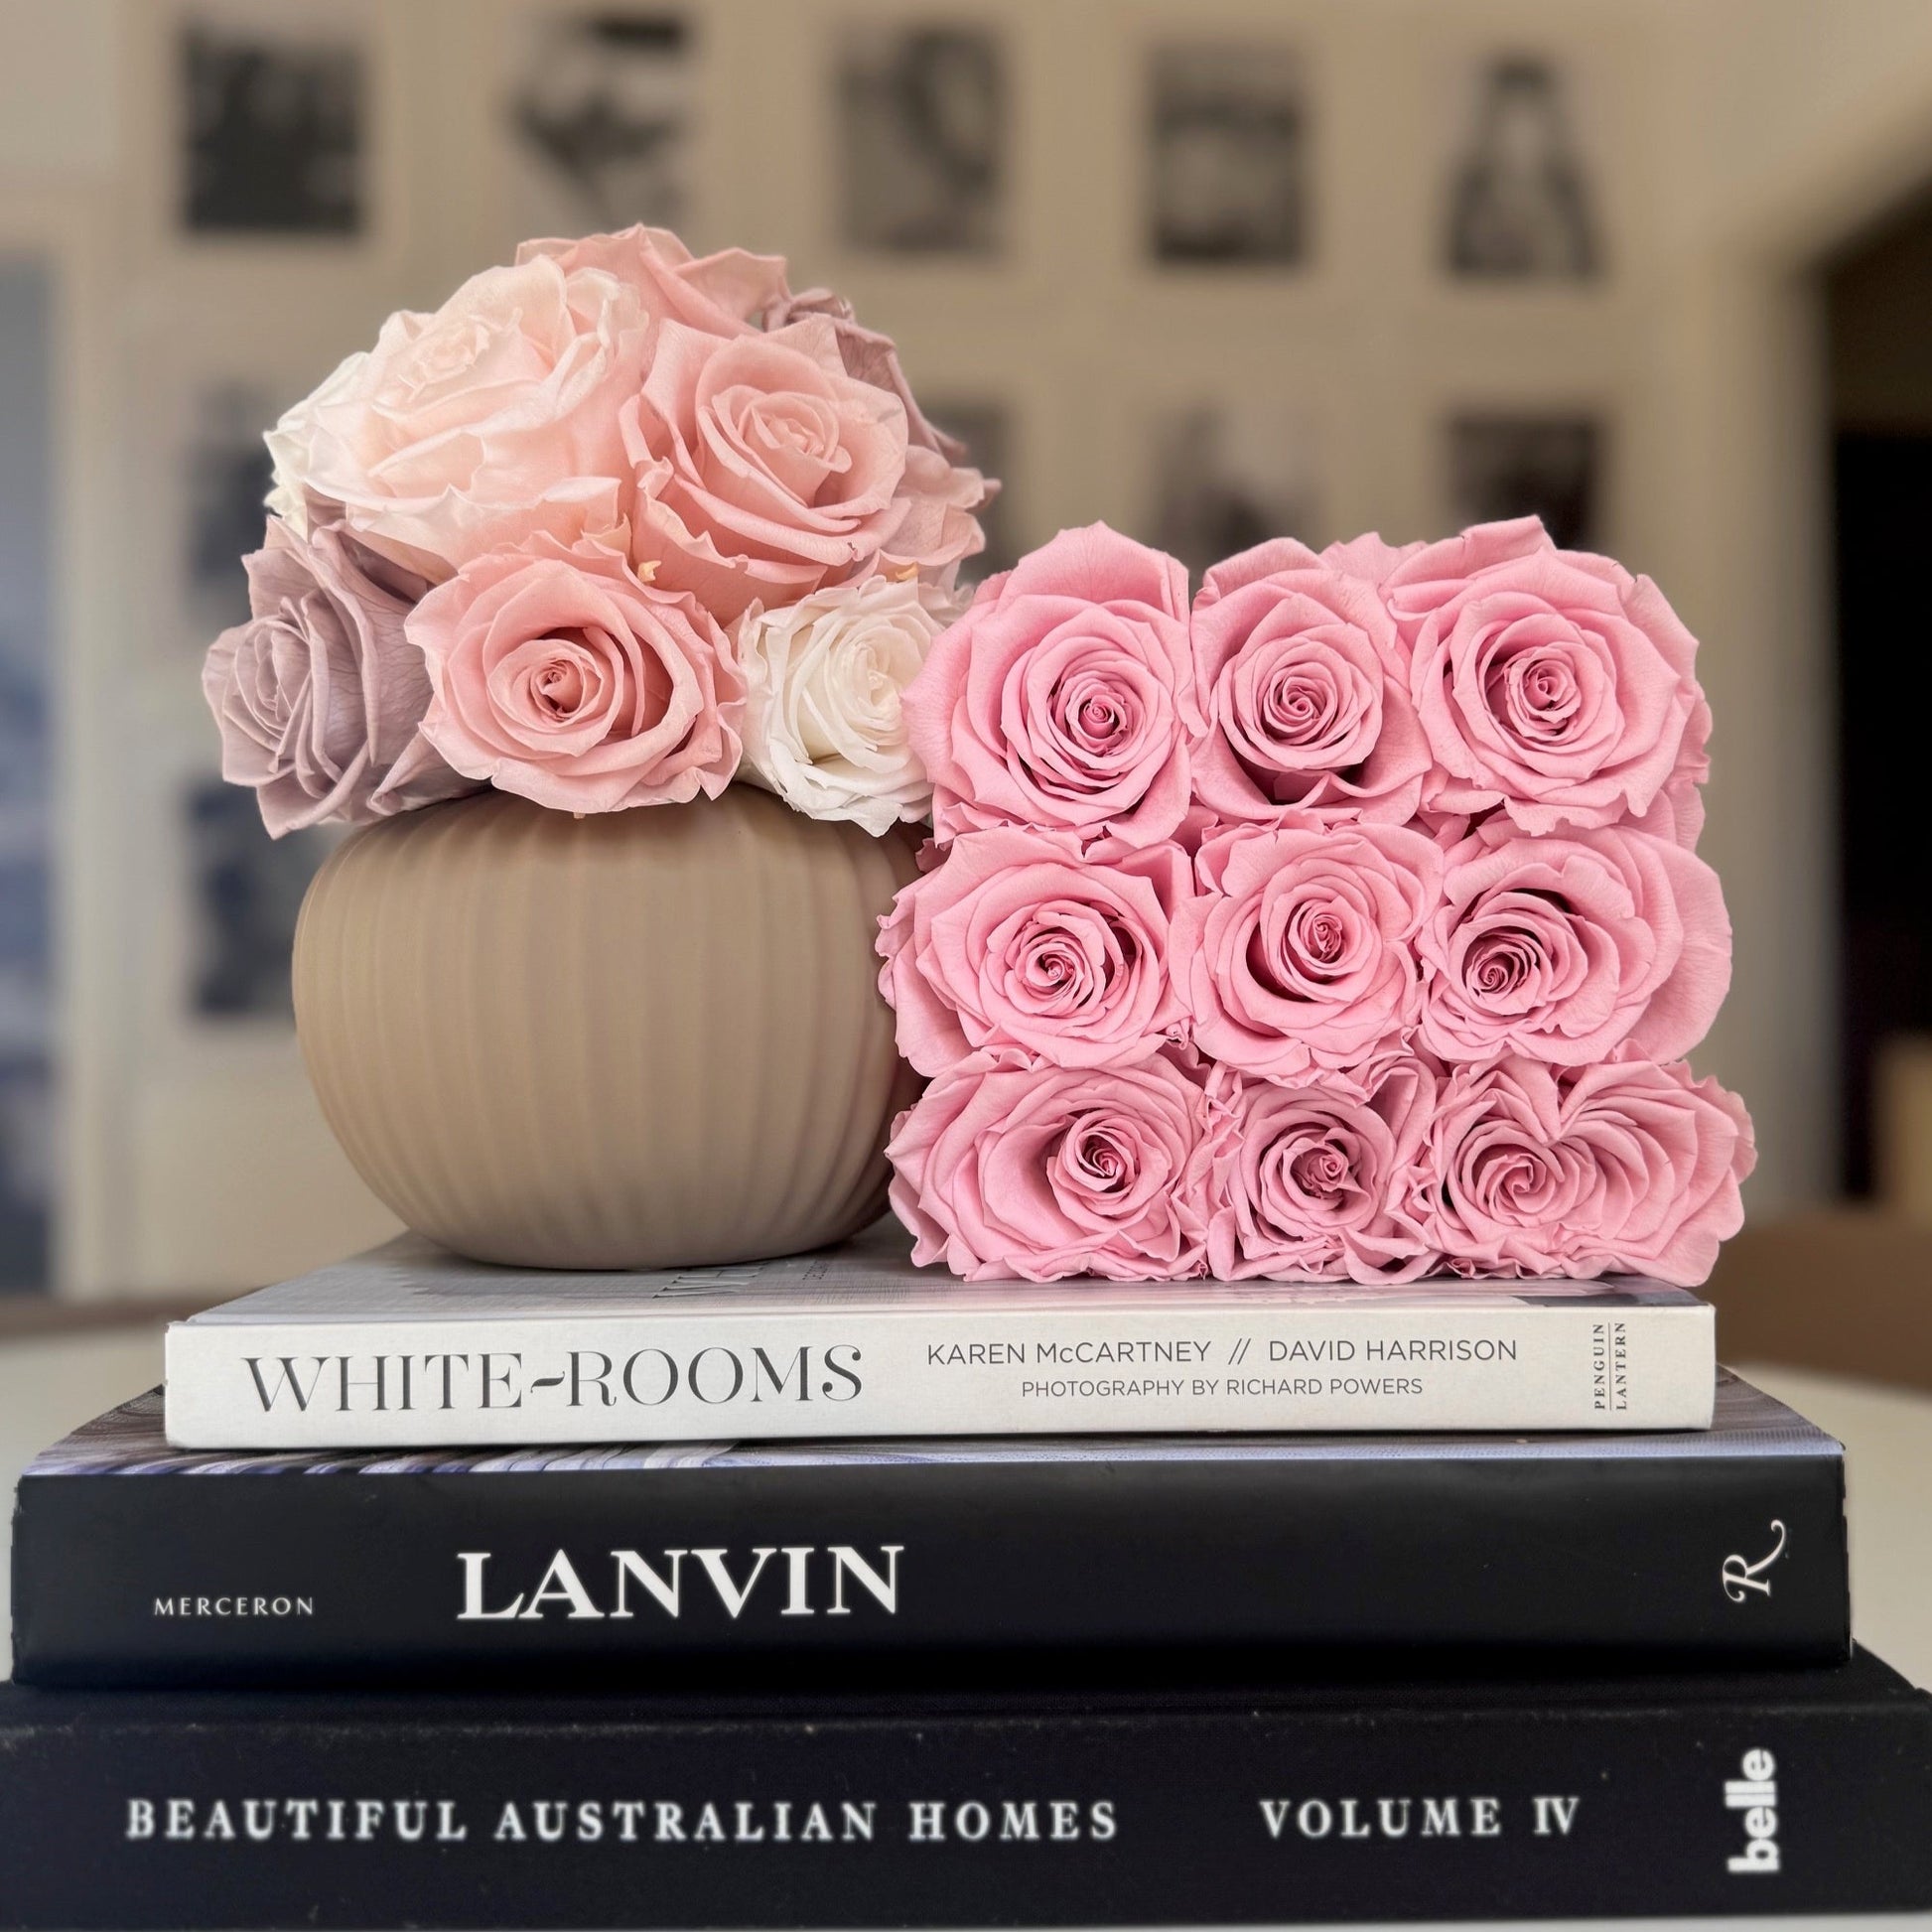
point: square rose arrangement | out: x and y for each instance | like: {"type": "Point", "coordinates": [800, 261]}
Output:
{"type": "Point", "coordinates": [1343, 924]}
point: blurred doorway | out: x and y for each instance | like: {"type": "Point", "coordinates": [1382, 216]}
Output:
{"type": "Point", "coordinates": [27, 1138]}
{"type": "Point", "coordinates": [1879, 314]}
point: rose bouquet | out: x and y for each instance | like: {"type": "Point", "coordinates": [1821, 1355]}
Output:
{"type": "Point", "coordinates": [612, 527]}
{"type": "Point", "coordinates": [1346, 925]}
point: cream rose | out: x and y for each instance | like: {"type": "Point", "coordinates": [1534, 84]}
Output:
{"type": "Point", "coordinates": [822, 682]}
{"type": "Point", "coordinates": [491, 422]}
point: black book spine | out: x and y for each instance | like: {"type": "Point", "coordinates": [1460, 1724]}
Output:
{"type": "Point", "coordinates": [163, 1810]}
{"type": "Point", "coordinates": [550, 1577]}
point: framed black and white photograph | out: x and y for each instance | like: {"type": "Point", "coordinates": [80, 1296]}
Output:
{"type": "Point", "coordinates": [225, 477]}
{"type": "Point", "coordinates": [1227, 155]}
{"type": "Point", "coordinates": [1506, 465]}
{"type": "Point", "coordinates": [986, 428]}
{"type": "Point", "coordinates": [245, 890]}
{"type": "Point", "coordinates": [600, 116]}
{"type": "Point", "coordinates": [923, 117]}
{"type": "Point", "coordinates": [274, 127]}
{"type": "Point", "coordinates": [1228, 477]}
{"type": "Point", "coordinates": [1522, 200]}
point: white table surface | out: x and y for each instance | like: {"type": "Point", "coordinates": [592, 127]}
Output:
{"type": "Point", "coordinates": [46, 1387]}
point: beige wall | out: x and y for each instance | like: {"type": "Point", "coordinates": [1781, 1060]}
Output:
{"type": "Point", "coordinates": [1739, 137]}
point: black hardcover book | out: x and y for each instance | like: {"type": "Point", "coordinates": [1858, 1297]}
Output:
{"type": "Point", "coordinates": [138, 1564]}
{"type": "Point", "coordinates": [1357, 1799]}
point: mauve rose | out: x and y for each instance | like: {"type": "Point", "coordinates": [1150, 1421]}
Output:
{"type": "Point", "coordinates": [1005, 1171]}
{"type": "Point", "coordinates": [1298, 953]}
{"type": "Point", "coordinates": [1550, 683]}
{"type": "Point", "coordinates": [1304, 683]}
{"type": "Point", "coordinates": [722, 294]}
{"type": "Point", "coordinates": [763, 470]}
{"type": "Point", "coordinates": [479, 426]}
{"type": "Point", "coordinates": [319, 696]}
{"type": "Point", "coordinates": [1572, 947]}
{"type": "Point", "coordinates": [1016, 942]}
{"type": "Point", "coordinates": [1629, 1167]}
{"type": "Point", "coordinates": [1313, 1182]}
{"type": "Point", "coordinates": [1065, 698]}
{"type": "Point", "coordinates": [560, 676]}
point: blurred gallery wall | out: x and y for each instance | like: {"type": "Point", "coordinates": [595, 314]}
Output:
{"type": "Point", "coordinates": [1209, 269]}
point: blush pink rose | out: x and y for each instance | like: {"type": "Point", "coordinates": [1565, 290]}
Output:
{"type": "Point", "coordinates": [1005, 1172]}
{"type": "Point", "coordinates": [1313, 1182]}
{"type": "Point", "coordinates": [1304, 683]}
{"type": "Point", "coordinates": [1550, 683]}
{"type": "Point", "coordinates": [474, 428]}
{"type": "Point", "coordinates": [1015, 941]}
{"type": "Point", "coordinates": [1065, 698]}
{"type": "Point", "coordinates": [872, 358]}
{"type": "Point", "coordinates": [1573, 949]}
{"type": "Point", "coordinates": [319, 696]}
{"type": "Point", "coordinates": [1628, 1167]}
{"type": "Point", "coordinates": [764, 471]}
{"type": "Point", "coordinates": [560, 676]}
{"type": "Point", "coordinates": [722, 294]}
{"type": "Point", "coordinates": [1298, 953]}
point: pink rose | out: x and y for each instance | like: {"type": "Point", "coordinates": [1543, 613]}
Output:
{"type": "Point", "coordinates": [764, 470]}
{"type": "Point", "coordinates": [1550, 683]}
{"type": "Point", "coordinates": [1303, 679]}
{"type": "Point", "coordinates": [1573, 949]}
{"type": "Point", "coordinates": [477, 427]}
{"type": "Point", "coordinates": [872, 358]}
{"type": "Point", "coordinates": [1003, 1171]}
{"type": "Point", "coordinates": [560, 676]}
{"type": "Point", "coordinates": [1311, 1183]}
{"type": "Point", "coordinates": [1625, 1167]}
{"type": "Point", "coordinates": [720, 294]}
{"type": "Point", "coordinates": [319, 696]}
{"type": "Point", "coordinates": [1065, 698]}
{"type": "Point", "coordinates": [1015, 941]}
{"type": "Point", "coordinates": [1300, 951]}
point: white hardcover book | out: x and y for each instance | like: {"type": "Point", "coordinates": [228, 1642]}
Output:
{"type": "Point", "coordinates": [408, 1346]}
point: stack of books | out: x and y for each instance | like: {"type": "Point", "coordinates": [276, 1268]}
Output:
{"type": "Point", "coordinates": [817, 1594]}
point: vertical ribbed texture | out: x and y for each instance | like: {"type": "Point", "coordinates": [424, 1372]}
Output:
{"type": "Point", "coordinates": [643, 1039]}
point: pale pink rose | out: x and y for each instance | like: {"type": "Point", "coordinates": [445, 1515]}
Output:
{"type": "Point", "coordinates": [560, 676]}
{"type": "Point", "coordinates": [872, 358]}
{"type": "Point", "coordinates": [1003, 1171]}
{"type": "Point", "coordinates": [489, 421]}
{"type": "Point", "coordinates": [319, 696]}
{"type": "Point", "coordinates": [1298, 953]}
{"type": "Point", "coordinates": [1313, 1183]}
{"type": "Point", "coordinates": [1306, 686]}
{"type": "Point", "coordinates": [1628, 1167]}
{"type": "Point", "coordinates": [722, 294]}
{"type": "Point", "coordinates": [1550, 683]}
{"type": "Point", "coordinates": [1572, 948]}
{"type": "Point", "coordinates": [1065, 698]}
{"type": "Point", "coordinates": [764, 471]}
{"type": "Point", "coordinates": [1016, 942]}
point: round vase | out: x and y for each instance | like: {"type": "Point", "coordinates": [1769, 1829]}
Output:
{"type": "Point", "coordinates": [647, 1038]}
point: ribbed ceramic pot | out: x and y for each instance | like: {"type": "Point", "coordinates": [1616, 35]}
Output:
{"type": "Point", "coordinates": [644, 1038]}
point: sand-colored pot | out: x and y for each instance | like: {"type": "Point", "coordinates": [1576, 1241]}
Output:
{"type": "Point", "coordinates": [636, 1039]}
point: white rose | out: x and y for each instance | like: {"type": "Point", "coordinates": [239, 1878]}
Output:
{"type": "Point", "coordinates": [478, 426]}
{"type": "Point", "coordinates": [823, 678]}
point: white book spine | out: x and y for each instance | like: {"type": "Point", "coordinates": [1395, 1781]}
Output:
{"type": "Point", "coordinates": [841, 1372]}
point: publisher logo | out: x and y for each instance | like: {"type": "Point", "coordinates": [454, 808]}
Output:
{"type": "Point", "coordinates": [1754, 1792]}
{"type": "Point", "coordinates": [1743, 1578]}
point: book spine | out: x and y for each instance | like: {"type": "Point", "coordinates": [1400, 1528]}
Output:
{"type": "Point", "coordinates": [555, 1577]}
{"type": "Point", "coordinates": [113, 1814]}
{"type": "Point", "coordinates": [1018, 1370]}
